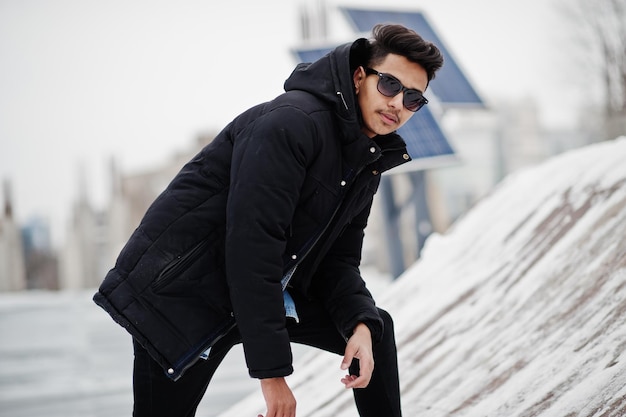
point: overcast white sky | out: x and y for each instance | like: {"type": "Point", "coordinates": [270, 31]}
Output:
{"type": "Point", "coordinates": [82, 81]}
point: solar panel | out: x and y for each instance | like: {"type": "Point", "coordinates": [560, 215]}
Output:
{"type": "Point", "coordinates": [450, 86]}
{"type": "Point", "coordinates": [312, 55]}
{"type": "Point", "coordinates": [422, 134]}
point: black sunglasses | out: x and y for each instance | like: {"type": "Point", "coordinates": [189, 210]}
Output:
{"type": "Point", "coordinates": [390, 86]}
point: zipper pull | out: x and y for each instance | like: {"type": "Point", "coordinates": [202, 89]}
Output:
{"type": "Point", "coordinates": [342, 99]}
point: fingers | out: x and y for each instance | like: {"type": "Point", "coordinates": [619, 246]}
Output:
{"type": "Point", "coordinates": [280, 410]}
{"type": "Point", "coordinates": [279, 399]}
{"type": "Point", "coordinates": [363, 352]}
{"type": "Point", "coordinates": [348, 357]}
{"type": "Point", "coordinates": [361, 381]}
{"type": "Point", "coordinates": [348, 379]}
{"type": "Point", "coordinates": [366, 367]}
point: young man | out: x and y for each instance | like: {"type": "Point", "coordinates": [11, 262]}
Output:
{"type": "Point", "coordinates": [258, 238]}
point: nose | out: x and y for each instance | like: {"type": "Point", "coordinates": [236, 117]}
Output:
{"type": "Point", "coordinates": [396, 101]}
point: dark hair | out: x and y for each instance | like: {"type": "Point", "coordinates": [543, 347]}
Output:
{"type": "Point", "coordinates": [399, 40]}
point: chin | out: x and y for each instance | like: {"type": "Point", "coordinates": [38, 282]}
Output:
{"type": "Point", "coordinates": [380, 130]}
{"type": "Point", "coordinates": [386, 131]}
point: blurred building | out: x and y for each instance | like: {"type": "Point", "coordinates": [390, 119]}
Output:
{"type": "Point", "coordinates": [82, 251]}
{"type": "Point", "coordinates": [12, 265]}
{"type": "Point", "coordinates": [40, 258]}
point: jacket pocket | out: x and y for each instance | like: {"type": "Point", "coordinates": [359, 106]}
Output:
{"type": "Point", "coordinates": [179, 265]}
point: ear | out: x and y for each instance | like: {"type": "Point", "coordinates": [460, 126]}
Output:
{"type": "Point", "coordinates": [357, 77]}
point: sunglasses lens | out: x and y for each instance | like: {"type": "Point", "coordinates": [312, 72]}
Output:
{"type": "Point", "coordinates": [413, 100]}
{"type": "Point", "coordinates": [389, 86]}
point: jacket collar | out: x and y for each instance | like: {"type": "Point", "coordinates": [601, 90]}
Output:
{"type": "Point", "coordinates": [384, 152]}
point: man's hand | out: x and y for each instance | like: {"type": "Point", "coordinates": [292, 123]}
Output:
{"type": "Point", "coordinates": [359, 347]}
{"type": "Point", "coordinates": [279, 399]}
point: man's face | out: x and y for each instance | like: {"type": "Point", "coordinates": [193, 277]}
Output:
{"type": "Point", "coordinates": [381, 114]}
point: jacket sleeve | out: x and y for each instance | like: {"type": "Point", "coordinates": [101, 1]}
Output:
{"type": "Point", "coordinates": [270, 156]}
{"type": "Point", "coordinates": [340, 287]}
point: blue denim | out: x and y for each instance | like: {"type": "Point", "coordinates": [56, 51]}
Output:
{"type": "Point", "coordinates": [290, 305]}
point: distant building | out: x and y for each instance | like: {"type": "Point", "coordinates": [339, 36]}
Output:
{"type": "Point", "coordinates": [12, 265]}
{"type": "Point", "coordinates": [41, 261]}
{"type": "Point", "coordinates": [80, 264]}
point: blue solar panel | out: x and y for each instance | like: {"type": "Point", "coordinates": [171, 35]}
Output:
{"type": "Point", "coordinates": [423, 137]}
{"type": "Point", "coordinates": [312, 55]}
{"type": "Point", "coordinates": [450, 86]}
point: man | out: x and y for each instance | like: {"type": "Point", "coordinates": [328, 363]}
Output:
{"type": "Point", "coordinates": [258, 238]}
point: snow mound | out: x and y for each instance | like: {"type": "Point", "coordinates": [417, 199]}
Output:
{"type": "Point", "coordinates": [519, 310]}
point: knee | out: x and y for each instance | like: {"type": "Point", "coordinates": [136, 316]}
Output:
{"type": "Point", "coordinates": [387, 319]}
{"type": "Point", "coordinates": [388, 329]}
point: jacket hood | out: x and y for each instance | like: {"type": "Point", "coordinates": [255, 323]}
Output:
{"type": "Point", "coordinates": [330, 79]}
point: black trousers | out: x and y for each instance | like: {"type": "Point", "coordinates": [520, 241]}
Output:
{"type": "Point", "coordinates": [157, 396]}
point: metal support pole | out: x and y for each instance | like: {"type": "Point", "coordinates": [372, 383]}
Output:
{"type": "Point", "coordinates": [423, 220]}
{"type": "Point", "coordinates": [392, 229]}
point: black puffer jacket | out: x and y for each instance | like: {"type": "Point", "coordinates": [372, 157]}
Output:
{"type": "Point", "coordinates": [288, 182]}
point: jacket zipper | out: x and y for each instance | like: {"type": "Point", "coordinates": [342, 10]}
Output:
{"type": "Point", "coordinates": [177, 265]}
{"type": "Point", "coordinates": [308, 250]}
{"type": "Point", "coordinates": [195, 357]}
